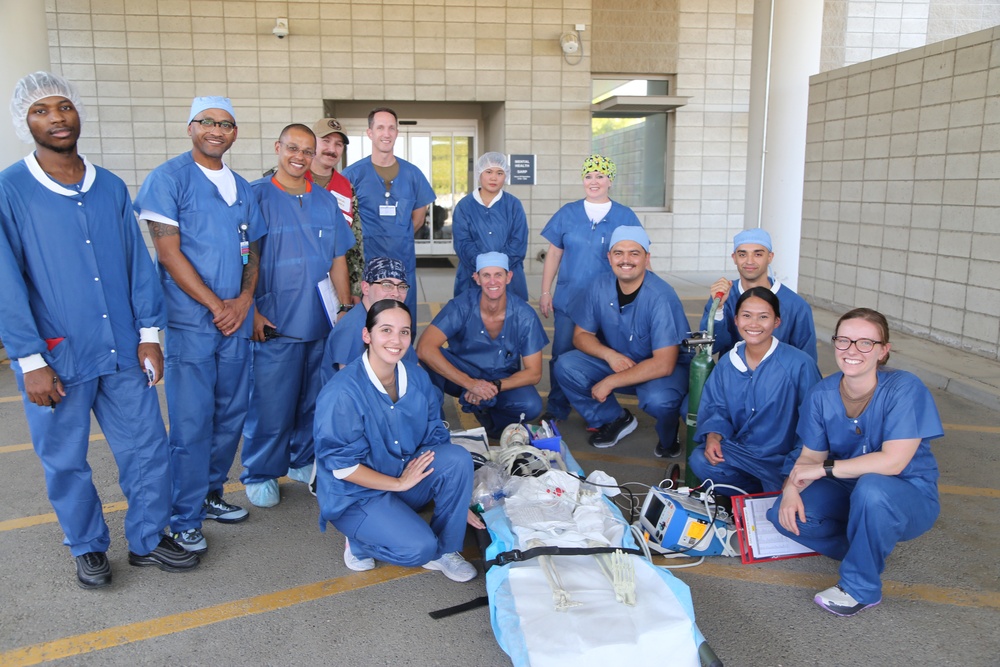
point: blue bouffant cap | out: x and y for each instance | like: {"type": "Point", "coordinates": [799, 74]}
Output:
{"type": "Point", "coordinates": [492, 259]}
{"type": "Point", "coordinates": [380, 268]}
{"type": "Point", "coordinates": [199, 104]}
{"type": "Point", "coordinates": [755, 236]}
{"type": "Point", "coordinates": [630, 233]}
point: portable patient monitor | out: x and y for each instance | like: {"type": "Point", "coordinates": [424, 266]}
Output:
{"type": "Point", "coordinates": [690, 523]}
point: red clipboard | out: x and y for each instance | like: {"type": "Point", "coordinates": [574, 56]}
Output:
{"type": "Point", "coordinates": [746, 548]}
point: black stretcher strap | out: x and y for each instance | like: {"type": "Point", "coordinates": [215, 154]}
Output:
{"type": "Point", "coordinates": [482, 601]}
{"type": "Point", "coordinates": [516, 555]}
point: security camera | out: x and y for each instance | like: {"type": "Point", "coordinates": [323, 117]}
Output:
{"type": "Point", "coordinates": [280, 28]}
{"type": "Point", "coordinates": [570, 42]}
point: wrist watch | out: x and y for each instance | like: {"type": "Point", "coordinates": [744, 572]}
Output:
{"type": "Point", "coordinates": [344, 307]}
{"type": "Point", "coordinates": [828, 467]}
{"type": "Point", "coordinates": [497, 383]}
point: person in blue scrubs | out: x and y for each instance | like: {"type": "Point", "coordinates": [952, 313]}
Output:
{"type": "Point", "coordinates": [865, 478]}
{"type": "Point", "coordinates": [490, 220]}
{"type": "Point", "coordinates": [79, 319]}
{"type": "Point", "coordinates": [205, 224]}
{"type": "Point", "coordinates": [494, 356]}
{"type": "Point", "coordinates": [752, 256]}
{"type": "Point", "coordinates": [383, 278]}
{"type": "Point", "coordinates": [578, 236]}
{"type": "Point", "coordinates": [383, 453]}
{"type": "Point", "coordinates": [306, 243]}
{"type": "Point", "coordinates": [750, 404]}
{"type": "Point", "coordinates": [629, 328]}
{"type": "Point", "coordinates": [393, 196]}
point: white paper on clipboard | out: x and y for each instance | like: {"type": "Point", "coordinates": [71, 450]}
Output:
{"type": "Point", "coordinates": [328, 295]}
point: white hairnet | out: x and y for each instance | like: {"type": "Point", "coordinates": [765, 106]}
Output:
{"type": "Point", "coordinates": [35, 87]}
{"type": "Point", "coordinates": [491, 159]}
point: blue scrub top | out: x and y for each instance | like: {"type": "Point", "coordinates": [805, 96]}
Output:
{"type": "Point", "coordinates": [304, 234]}
{"type": "Point", "coordinates": [797, 327]}
{"type": "Point", "coordinates": [390, 236]}
{"type": "Point", "coordinates": [585, 248]}
{"type": "Point", "coordinates": [757, 410]}
{"type": "Point", "coordinates": [344, 344]}
{"type": "Point", "coordinates": [73, 265]}
{"type": "Point", "coordinates": [654, 320]}
{"type": "Point", "coordinates": [522, 334]}
{"type": "Point", "coordinates": [357, 423]}
{"type": "Point", "coordinates": [210, 236]}
{"type": "Point", "coordinates": [476, 229]}
{"type": "Point", "coordinates": [901, 408]}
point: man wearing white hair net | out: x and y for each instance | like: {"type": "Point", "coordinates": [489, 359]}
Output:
{"type": "Point", "coordinates": [491, 220]}
{"type": "Point", "coordinates": [79, 318]}
{"type": "Point", "coordinates": [205, 223]}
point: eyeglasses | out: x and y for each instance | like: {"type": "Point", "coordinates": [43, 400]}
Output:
{"type": "Point", "coordinates": [208, 123]}
{"type": "Point", "coordinates": [292, 148]}
{"type": "Point", "coordinates": [863, 344]}
{"type": "Point", "coordinates": [390, 286]}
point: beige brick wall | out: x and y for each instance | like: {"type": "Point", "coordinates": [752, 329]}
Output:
{"type": "Point", "coordinates": [902, 190]}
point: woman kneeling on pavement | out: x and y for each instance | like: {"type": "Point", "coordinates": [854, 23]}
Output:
{"type": "Point", "coordinates": [383, 453]}
{"type": "Point", "coordinates": [865, 478]}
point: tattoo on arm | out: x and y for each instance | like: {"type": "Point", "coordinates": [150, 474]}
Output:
{"type": "Point", "coordinates": [159, 229]}
{"type": "Point", "coordinates": [249, 282]}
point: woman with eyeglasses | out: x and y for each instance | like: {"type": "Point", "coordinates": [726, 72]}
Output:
{"type": "Point", "coordinates": [490, 220]}
{"type": "Point", "coordinates": [383, 453]}
{"type": "Point", "coordinates": [750, 405]}
{"type": "Point", "coordinates": [865, 478]}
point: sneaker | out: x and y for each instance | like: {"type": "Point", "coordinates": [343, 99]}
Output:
{"type": "Point", "coordinates": [219, 510]}
{"type": "Point", "coordinates": [453, 566]}
{"type": "Point", "coordinates": [667, 452]}
{"type": "Point", "coordinates": [303, 474]}
{"type": "Point", "coordinates": [93, 570]}
{"type": "Point", "coordinates": [609, 434]}
{"type": "Point", "coordinates": [168, 555]}
{"type": "Point", "coordinates": [838, 601]}
{"type": "Point", "coordinates": [354, 563]}
{"type": "Point", "coordinates": [262, 494]}
{"type": "Point", "coordinates": [191, 540]}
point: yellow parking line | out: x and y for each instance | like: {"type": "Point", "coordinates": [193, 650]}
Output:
{"type": "Point", "coordinates": [9, 399]}
{"type": "Point", "coordinates": [971, 427]}
{"type": "Point", "coordinates": [197, 618]}
{"type": "Point", "coordinates": [27, 446]}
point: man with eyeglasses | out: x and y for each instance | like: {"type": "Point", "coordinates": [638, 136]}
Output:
{"type": "Point", "coordinates": [384, 278]}
{"type": "Point", "coordinates": [393, 196]}
{"type": "Point", "coordinates": [306, 243]}
{"type": "Point", "coordinates": [331, 142]}
{"type": "Point", "coordinates": [752, 256]}
{"type": "Point", "coordinates": [205, 224]}
{"type": "Point", "coordinates": [494, 356]}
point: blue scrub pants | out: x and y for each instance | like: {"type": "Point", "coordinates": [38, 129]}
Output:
{"type": "Point", "coordinates": [208, 389]}
{"type": "Point", "coordinates": [495, 415]}
{"type": "Point", "coordinates": [278, 433]}
{"type": "Point", "coordinates": [859, 522]}
{"type": "Point", "coordinates": [387, 527]}
{"type": "Point", "coordinates": [562, 342]}
{"type": "Point", "coordinates": [740, 469]}
{"type": "Point", "coordinates": [659, 398]}
{"type": "Point", "coordinates": [128, 412]}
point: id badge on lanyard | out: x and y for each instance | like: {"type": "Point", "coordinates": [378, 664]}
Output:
{"type": "Point", "coordinates": [387, 209]}
{"type": "Point", "coordinates": [244, 244]}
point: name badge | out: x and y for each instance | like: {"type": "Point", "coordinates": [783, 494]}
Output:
{"type": "Point", "coordinates": [387, 209]}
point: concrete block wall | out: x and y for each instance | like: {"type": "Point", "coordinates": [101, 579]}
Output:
{"type": "Point", "coordinates": [902, 190]}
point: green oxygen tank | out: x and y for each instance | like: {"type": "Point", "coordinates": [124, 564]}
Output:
{"type": "Point", "coordinates": [701, 367]}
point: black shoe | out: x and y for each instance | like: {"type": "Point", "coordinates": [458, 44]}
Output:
{"type": "Point", "coordinates": [667, 452]}
{"type": "Point", "coordinates": [93, 570]}
{"type": "Point", "coordinates": [609, 434]}
{"type": "Point", "coordinates": [168, 556]}
{"type": "Point", "coordinates": [219, 510]}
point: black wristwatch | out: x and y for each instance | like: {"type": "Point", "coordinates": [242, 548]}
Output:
{"type": "Point", "coordinates": [344, 308]}
{"type": "Point", "coordinates": [497, 383]}
{"type": "Point", "coordinates": [828, 467]}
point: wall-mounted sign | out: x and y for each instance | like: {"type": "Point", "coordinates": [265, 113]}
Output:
{"type": "Point", "coordinates": [522, 170]}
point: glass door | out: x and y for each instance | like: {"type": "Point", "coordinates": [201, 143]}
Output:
{"type": "Point", "coordinates": [445, 152]}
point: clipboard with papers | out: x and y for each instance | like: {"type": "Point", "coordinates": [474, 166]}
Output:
{"type": "Point", "coordinates": [759, 539]}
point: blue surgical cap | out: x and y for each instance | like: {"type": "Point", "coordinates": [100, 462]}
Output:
{"type": "Point", "coordinates": [492, 259]}
{"type": "Point", "coordinates": [754, 236]}
{"type": "Point", "coordinates": [630, 233]}
{"type": "Point", "coordinates": [199, 104]}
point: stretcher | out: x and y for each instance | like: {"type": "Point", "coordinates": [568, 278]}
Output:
{"type": "Point", "coordinates": [563, 607]}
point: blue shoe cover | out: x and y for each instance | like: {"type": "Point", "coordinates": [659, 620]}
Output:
{"type": "Point", "coordinates": [263, 494]}
{"type": "Point", "coordinates": [303, 474]}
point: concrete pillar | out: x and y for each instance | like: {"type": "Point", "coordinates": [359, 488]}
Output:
{"type": "Point", "coordinates": [786, 51]}
{"type": "Point", "coordinates": [24, 48]}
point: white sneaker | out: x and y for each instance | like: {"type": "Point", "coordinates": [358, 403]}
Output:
{"type": "Point", "coordinates": [838, 601]}
{"type": "Point", "coordinates": [453, 566]}
{"type": "Point", "coordinates": [354, 563]}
